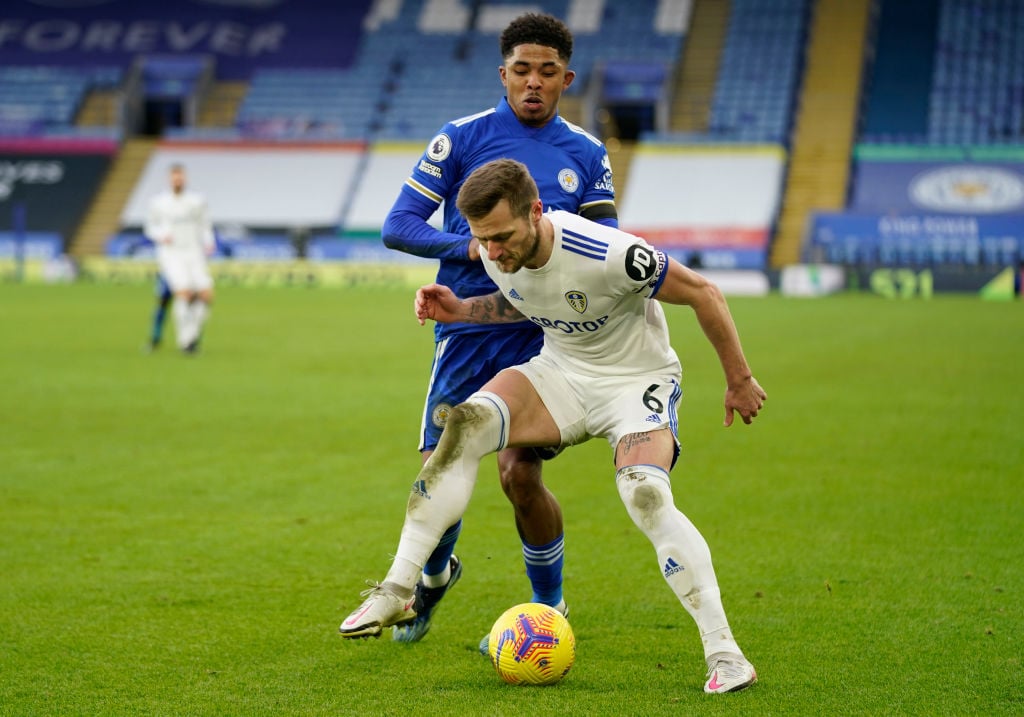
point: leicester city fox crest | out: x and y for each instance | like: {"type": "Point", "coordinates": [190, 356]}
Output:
{"type": "Point", "coordinates": [440, 414]}
{"type": "Point", "coordinates": [577, 300]}
{"type": "Point", "coordinates": [569, 180]}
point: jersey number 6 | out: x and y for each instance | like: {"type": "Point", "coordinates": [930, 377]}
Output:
{"type": "Point", "coordinates": [651, 401]}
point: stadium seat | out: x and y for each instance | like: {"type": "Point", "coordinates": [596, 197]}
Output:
{"type": "Point", "coordinates": [760, 65]}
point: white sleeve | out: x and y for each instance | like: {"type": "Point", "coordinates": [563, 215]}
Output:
{"type": "Point", "coordinates": [636, 267]}
{"type": "Point", "coordinates": [205, 227]}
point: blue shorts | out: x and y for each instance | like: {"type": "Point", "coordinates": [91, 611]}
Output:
{"type": "Point", "coordinates": [463, 363]}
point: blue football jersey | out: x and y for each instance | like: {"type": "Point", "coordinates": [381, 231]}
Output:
{"type": "Point", "coordinates": [570, 166]}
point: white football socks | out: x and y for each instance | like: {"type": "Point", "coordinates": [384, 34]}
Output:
{"type": "Point", "coordinates": [444, 485]}
{"type": "Point", "coordinates": [189, 318]}
{"type": "Point", "coordinates": [182, 321]}
{"type": "Point", "coordinates": [683, 555]}
{"type": "Point", "coordinates": [200, 311]}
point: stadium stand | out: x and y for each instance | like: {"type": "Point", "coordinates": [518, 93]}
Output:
{"type": "Point", "coordinates": [759, 71]}
{"type": "Point", "coordinates": [977, 96]}
{"type": "Point", "coordinates": [825, 123]}
{"type": "Point", "coordinates": [937, 177]}
{"type": "Point", "coordinates": [959, 83]}
{"type": "Point", "coordinates": [44, 100]}
{"type": "Point", "coordinates": [786, 77]}
{"type": "Point", "coordinates": [169, 88]}
{"type": "Point", "coordinates": [424, 63]}
{"type": "Point", "coordinates": [284, 104]}
{"type": "Point", "coordinates": [898, 80]}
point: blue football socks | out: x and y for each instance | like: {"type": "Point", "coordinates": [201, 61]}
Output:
{"type": "Point", "coordinates": [438, 561]}
{"type": "Point", "coordinates": [544, 568]}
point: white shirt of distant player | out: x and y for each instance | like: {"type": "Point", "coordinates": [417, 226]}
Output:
{"type": "Point", "coordinates": [593, 300]}
{"type": "Point", "coordinates": [182, 217]}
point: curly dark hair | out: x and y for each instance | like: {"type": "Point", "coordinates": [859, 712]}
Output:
{"type": "Point", "coordinates": [536, 29]}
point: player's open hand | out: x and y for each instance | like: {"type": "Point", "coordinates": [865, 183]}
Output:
{"type": "Point", "coordinates": [745, 399]}
{"type": "Point", "coordinates": [436, 302]}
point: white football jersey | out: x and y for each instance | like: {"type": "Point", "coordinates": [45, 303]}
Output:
{"type": "Point", "coordinates": [593, 300]}
{"type": "Point", "coordinates": [183, 217]}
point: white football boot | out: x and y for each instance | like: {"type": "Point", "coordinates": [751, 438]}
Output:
{"type": "Point", "coordinates": [382, 608]}
{"type": "Point", "coordinates": [728, 672]}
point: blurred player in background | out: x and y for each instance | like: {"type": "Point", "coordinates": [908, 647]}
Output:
{"type": "Point", "coordinates": [177, 222]}
{"type": "Point", "coordinates": [607, 369]}
{"type": "Point", "coordinates": [163, 295]}
{"type": "Point", "coordinates": [573, 172]}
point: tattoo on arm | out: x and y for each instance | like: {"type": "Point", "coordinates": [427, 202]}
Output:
{"type": "Point", "coordinates": [492, 309]}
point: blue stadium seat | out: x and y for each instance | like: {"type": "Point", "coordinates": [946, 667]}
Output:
{"type": "Point", "coordinates": [978, 82]}
{"type": "Point", "coordinates": [409, 78]}
{"type": "Point", "coordinates": [40, 99]}
{"type": "Point", "coordinates": [758, 72]}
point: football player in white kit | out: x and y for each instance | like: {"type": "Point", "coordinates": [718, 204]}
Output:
{"type": "Point", "coordinates": [177, 222]}
{"type": "Point", "coordinates": [607, 369]}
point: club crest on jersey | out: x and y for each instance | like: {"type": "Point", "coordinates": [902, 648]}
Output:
{"type": "Point", "coordinates": [440, 414]}
{"type": "Point", "coordinates": [439, 148]}
{"type": "Point", "coordinates": [577, 300]}
{"type": "Point", "coordinates": [569, 180]}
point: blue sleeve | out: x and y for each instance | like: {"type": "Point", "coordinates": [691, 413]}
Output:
{"type": "Point", "coordinates": [598, 201]}
{"type": "Point", "coordinates": [406, 229]}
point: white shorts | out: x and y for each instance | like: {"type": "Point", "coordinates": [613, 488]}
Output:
{"type": "Point", "coordinates": [585, 407]}
{"type": "Point", "coordinates": [185, 271]}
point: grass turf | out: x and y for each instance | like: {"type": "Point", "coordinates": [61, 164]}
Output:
{"type": "Point", "coordinates": [182, 535]}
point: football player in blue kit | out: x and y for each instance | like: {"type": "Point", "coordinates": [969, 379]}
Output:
{"type": "Point", "coordinates": [573, 173]}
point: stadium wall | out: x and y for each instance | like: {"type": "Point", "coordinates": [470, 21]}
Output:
{"type": "Point", "coordinates": [710, 206]}
{"type": "Point", "coordinates": [388, 165]}
{"type": "Point", "coordinates": [47, 186]}
{"type": "Point", "coordinates": [238, 36]}
{"type": "Point", "coordinates": [271, 186]}
{"type": "Point", "coordinates": [955, 207]}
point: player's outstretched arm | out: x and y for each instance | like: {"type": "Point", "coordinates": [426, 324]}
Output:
{"type": "Point", "coordinates": [743, 394]}
{"type": "Point", "coordinates": [407, 229]}
{"type": "Point", "coordinates": [440, 303]}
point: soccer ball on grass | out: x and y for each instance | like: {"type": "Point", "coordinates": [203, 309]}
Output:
{"type": "Point", "coordinates": [532, 644]}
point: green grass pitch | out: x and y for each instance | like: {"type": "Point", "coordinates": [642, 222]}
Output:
{"type": "Point", "coordinates": [182, 536]}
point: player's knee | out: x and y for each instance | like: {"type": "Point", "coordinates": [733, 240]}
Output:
{"type": "Point", "coordinates": [475, 427]}
{"type": "Point", "coordinates": [519, 470]}
{"type": "Point", "coordinates": [646, 492]}
{"type": "Point", "coordinates": [468, 419]}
